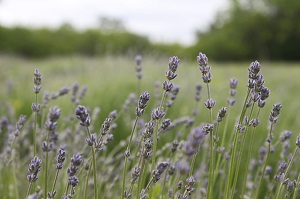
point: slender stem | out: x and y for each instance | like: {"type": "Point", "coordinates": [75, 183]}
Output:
{"type": "Point", "coordinates": [29, 189]}
{"type": "Point", "coordinates": [278, 191]}
{"type": "Point", "coordinates": [265, 164]}
{"type": "Point", "coordinates": [156, 132]}
{"type": "Point", "coordinates": [249, 155]}
{"type": "Point", "coordinates": [3, 180]}
{"type": "Point", "coordinates": [94, 166]}
{"type": "Point", "coordinates": [15, 181]}
{"type": "Point", "coordinates": [87, 182]}
{"type": "Point", "coordinates": [219, 161]}
{"type": "Point", "coordinates": [235, 143]}
{"type": "Point", "coordinates": [67, 189]}
{"type": "Point", "coordinates": [192, 164]}
{"type": "Point", "coordinates": [46, 165]}
{"type": "Point", "coordinates": [240, 153]}
{"type": "Point", "coordinates": [126, 158]}
{"type": "Point", "coordinates": [297, 187]}
{"type": "Point", "coordinates": [35, 128]}
{"type": "Point", "coordinates": [55, 180]}
{"type": "Point", "coordinates": [211, 153]}
{"type": "Point", "coordinates": [141, 178]}
{"type": "Point", "coordinates": [165, 178]}
{"type": "Point", "coordinates": [139, 86]}
{"type": "Point", "coordinates": [175, 182]}
{"type": "Point", "coordinates": [149, 183]}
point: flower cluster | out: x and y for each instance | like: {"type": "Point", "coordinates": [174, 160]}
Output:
{"type": "Point", "coordinates": [34, 169]}
{"type": "Point", "coordinates": [204, 68]}
{"type": "Point", "coordinates": [171, 73]}
{"type": "Point", "coordinates": [138, 68]}
{"type": "Point", "coordinates": [83, 116]}
{"type": "Point", "coordinates": [142, 103]}
{"type": "Point", "coordinates": [73, 181]}
{"type": "Point", "coordinates": [232, 84]}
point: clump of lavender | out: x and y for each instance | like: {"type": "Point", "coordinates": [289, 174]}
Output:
{"type": "Point", "coordinates": [194, 142]}
{"type": "Point", "coordinates": [60, 160]}
{"type": "Point", "coordinates": [15, 132]}
{"type": "Point", "coordinates": [195, 164]}
{"type": "Point", "coordinates": [76, 95]}
{"type": "Point", "coordinates": [34, 169]}
{"type": "Point", "coordinates": [139, 111]}
{"type": "Point", "coordinates": [209, 104]}
{"type": "Point", "coordinates": [156, 175]}
{"type": "Point", "coordinates": [85, 121]}
{"type": "Point", "coordinates": [61, 92]}
{"type": "Point", "coordinates": [138, 69]}
{"type": "Point", "coordinates": [232, 84]}
{"type": "Point", "coordinates": [37, 80]}
{"type": "Point", "coordinates": [73, 181]}
{"type": "Point", "coordinates": [47, 145]}
{"type": "Point", "coordinates": [158, 113]}
{"type": "Point", "coordinates": [106, 135]}
{"type": "Point", "coordinates": [189, 187]}
{"type": "Point", "coordinates": [172, 96]}
{"type": "Point", "coordinates": [197, 98]}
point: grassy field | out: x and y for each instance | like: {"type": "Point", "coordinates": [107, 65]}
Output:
{"type": "Point", "coordinates": [110, 80]}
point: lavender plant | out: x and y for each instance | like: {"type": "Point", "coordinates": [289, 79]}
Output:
{"type": "Point", "coordinates": [148, 147]}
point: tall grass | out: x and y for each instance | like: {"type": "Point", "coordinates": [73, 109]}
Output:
{"type": "Point", "coordinates": [103, 133]}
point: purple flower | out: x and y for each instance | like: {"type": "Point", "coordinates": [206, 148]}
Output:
{"type": "Point", "coordinates": [173, 63]}
{"type": "Point", "coordinates": [34, 169]}
{"type": "Point", "coordinates": [83, 115]}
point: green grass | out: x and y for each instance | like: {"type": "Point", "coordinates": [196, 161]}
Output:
{"type": "Point", "coordinates": [110, 80]}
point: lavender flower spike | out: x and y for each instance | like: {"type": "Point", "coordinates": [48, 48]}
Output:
{"type": "Point", "coordinates": [83, 115]}
{"type": "Point", "coordinates": [160, 168]}
{"type": "Point", "coordinates": [34, 169]}
{"type": "Point", "coordinates": [202, 59]}
{"type": "Point", "coordinates": [173, 63]}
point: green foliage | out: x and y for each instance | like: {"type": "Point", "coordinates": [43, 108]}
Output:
{"type": "Point", "coordinates": [66, 40]}
{"type": "Point", "coordinates": [254, 30]}
{"type": "Point", "coordinates": [44, 42]}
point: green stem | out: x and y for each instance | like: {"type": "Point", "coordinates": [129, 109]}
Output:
{"type": "Point", "coordinates": [87, 182]}
{"type": "Point", "coordinates": [141, 178]}
{"type": "Point", "coordinates": [35, 127]}
{"type": "Point", "coordinates": [249, 156]}
{"type": "Point", "coordinates": [165, 178]}
{"type": "Point", "coordinates": [240, 154]}
{"type": "Point", "coordinates": [29, 189]}
{"type": "Point", "coordinates": [126, 158]}
{"type": "Point", "coordinates": [192, 165]}
{"type": "Point", "coordinates": [94, 165]}
{"type": "Point", "coordinates": [175, 183]}
{"type": "Point", "coordinates": [219, 161]}
{"type": "Point", "coordinates": [46, 166]}
{"type": "Point", "coordinates": [278, 191]}
{"type": "Point", "coordinates": [233, 154]}
{"type": "Point", "coordinates": [297, 187]}
{"type": "Point", "coordinates": [265, 164]}
{"type": "Point", "coordinates": [15, 181]}
{"type": "Point", "coordinates": [156, 132]}
{"type": "Point", "coordinates": [55, 180]}
{"type": "Point", "coordinates": [211, 153]}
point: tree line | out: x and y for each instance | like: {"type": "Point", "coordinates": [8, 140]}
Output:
{"type": "Point", "coordinates": [248, 30]}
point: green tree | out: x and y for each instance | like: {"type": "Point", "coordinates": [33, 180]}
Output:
{"type": "Point", "coordinates": [252, 29]}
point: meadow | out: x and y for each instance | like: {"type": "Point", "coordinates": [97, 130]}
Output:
{"type": "Point", "coordinates": [103, 115]}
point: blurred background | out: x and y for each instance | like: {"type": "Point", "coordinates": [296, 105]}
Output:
{"type": "Point", "coordinates": [226, 30]}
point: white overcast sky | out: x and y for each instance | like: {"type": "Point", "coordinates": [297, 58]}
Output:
{"type": "Point", "coordinates": [160, 20]}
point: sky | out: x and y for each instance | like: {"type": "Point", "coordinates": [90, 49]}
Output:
{"type": "Point", "coordinates": [159, 20]}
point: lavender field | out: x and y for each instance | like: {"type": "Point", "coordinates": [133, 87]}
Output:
{"type": "Point", "coordinates": [148, 127]}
